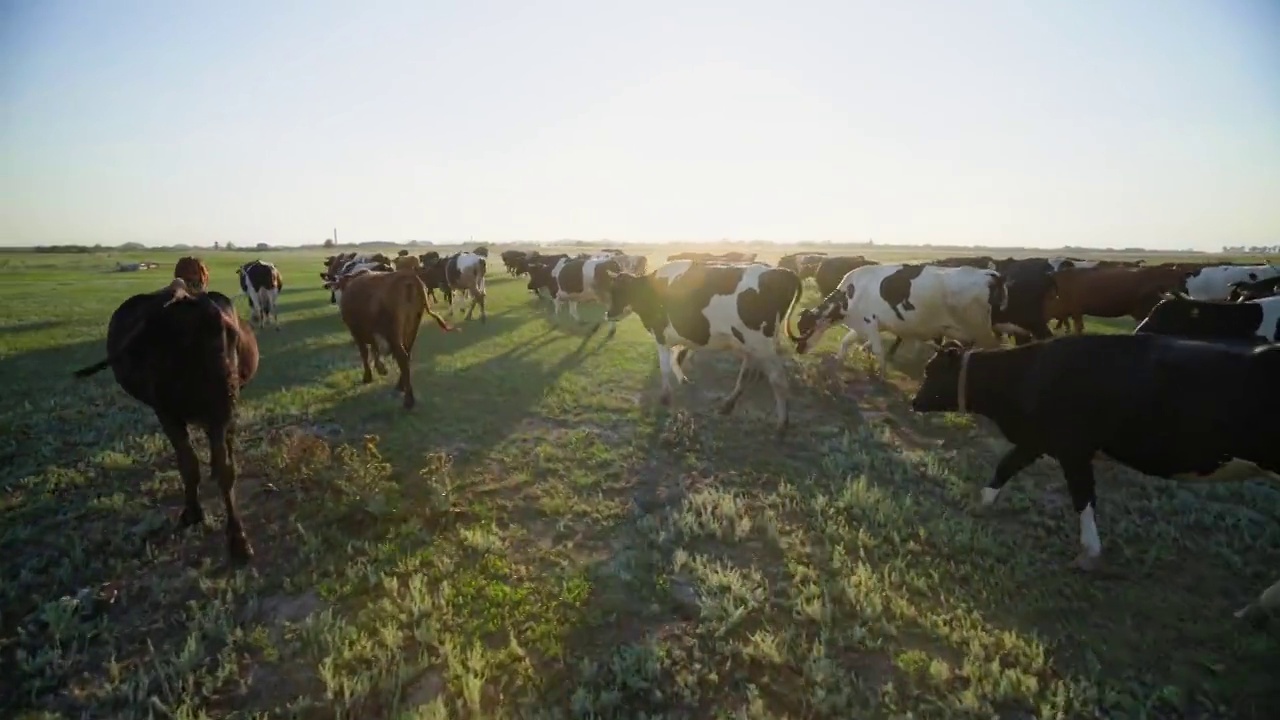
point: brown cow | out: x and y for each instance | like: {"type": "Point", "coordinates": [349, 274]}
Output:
{"type": "Point", "coordinates": [186, 356]}
{"type": "Point", "coordinates": [1110, 292]}
{"type": "Point", "coordinates": [390, 306]}
{"type": "Point", "coordinates": [193, 272]}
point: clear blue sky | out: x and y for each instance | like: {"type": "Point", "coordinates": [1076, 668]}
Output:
{"type": "Point", "coordinates": [1149, 123]}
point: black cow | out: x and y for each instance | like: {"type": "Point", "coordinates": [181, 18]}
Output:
{"type": "Point", "coordinates": [1256, 322]}
{"type": "Point", "coordinates": [1245, 290]}
{"type": "Point", "coordinates": [1164, 406]}
{"type": "Point", "coordinates": [982, 262]}
{"type": "Point", "coordinates": [186, 356]}
{"type": "Point", "coordinates": [833, 269]}
{"type": "Point", "coordinates": [1028, 283]}
{"type": "Point", "coordinates": [675, 304]}
{"type": "Point", "coordinates": [541, 273]}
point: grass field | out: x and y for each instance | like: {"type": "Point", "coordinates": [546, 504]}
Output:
{"type": "Point", "coordinates": [538, 539]}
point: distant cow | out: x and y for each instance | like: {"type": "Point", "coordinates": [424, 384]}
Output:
{"type": "Point", "coordinates": [913, 302]}
{"type": "Point", "coordinates": [831, 271]}
{"type": "Point", "coordinates": [332, 281]}
{"type": "Point", "coordinates": [589, 279]}
{"type": "Point", "coordinates": [388, 306]}
{"type": "Point", "coordinates": [1245, 290]}
{"type": "Point", "coordinates": [540, 272]}
{"type": "Point", "coordinates": [516, 262]}
{"type": "Point", "coordinates": [794, 261]}
{"type": "Point", "coordinates": [634, 264]}
{"type": "Point", "coordinates": [1215, 282]}
{"type": "Point", "coordinates": [193, 272]}
{"type": "Point", "coordinates": [1254, 322]}
{"type": "Point", "coordinates": [334, 263]}
{"type": "Point", "coordinates": [186, 356]}
{"type": "Point", "coordinates": [729, 257]}
{"type": "Point", "coordinates": [459, 275]}
{"type": "Point", "coordinates": [1167, 407]}
{"type": "Point", "coordinates": [685, 305]}
{"type": "Point", "coordinates": [482, 251]}
{"type": "Point", "coordinates": [1109, 292]}
{"type": "Point", "coordinates": [982, 262]}
{"type": "Point", "coordinates": [262, 283]}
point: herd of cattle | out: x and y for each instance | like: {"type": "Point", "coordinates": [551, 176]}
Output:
{"type": "Point", "coordinates": [1191, 393]}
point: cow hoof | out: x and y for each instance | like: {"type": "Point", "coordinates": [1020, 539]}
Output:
{"type": "Point", "coordinates": [1086, 563]}
{"type": "Point", "coordinates": [191, 516]}
{"type": "Point", "coordinates": [409, 402]}
{"type": "Point", "coordinates": [725, 407]}
{"type": "Point", "coordinates": [382, 370]}
{"type": "Point", "coordinates": [664, 400]}
{"type": "Point", "coordinates": [368, 378]}
{"type": "Point", "coordinates": [239, 551]}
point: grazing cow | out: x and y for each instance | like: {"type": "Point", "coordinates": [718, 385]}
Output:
{"type": "Point", "coordinates": [1214, 283]}
{"type": "Point", "coordinates": [193, 272]}
{"type": "Point", "coordinates": [389, 306]}
{"type": "Point", "coordinates": [186, 356]}
{"type": "Point", "coordinates": [583, 279]}
{"type": "Point", "coordinates": [982, 262]}
{"type": "Point", "coordinates": [262, 283]}
{"type": "Point", "coordinates": [1164, 406]}
{"type": "Point", "coordinates": [1255, 321]}
{"type": "Point", "coordinates": [685, 305]}
{"type": "Point", "coordinates": [916, 302]}
{"type": "Point", "coordinates": [1241, 291]}
{"type": "Point", "coordinates": [1029, 283]}
{"type": "Point", "coordinates": [830, 271]}
{"type": "Point", "coordinates": [457, 276]}
{"type": "Point", "coordinates": [1109, 292]}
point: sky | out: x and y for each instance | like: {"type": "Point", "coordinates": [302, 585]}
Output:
{"type": "Point", "coordinates": [1095, 123]}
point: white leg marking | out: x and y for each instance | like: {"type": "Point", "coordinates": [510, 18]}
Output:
{"type": "Point", "coordinates": [664, 367]}
{"type": "Point", "coordinates": [848, 340]}
{"type": "Point", "coordinates": [989, 495]}
{"type": "Point", "coordinates": [1089, 539]}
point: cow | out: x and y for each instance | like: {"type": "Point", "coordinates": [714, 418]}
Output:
{"type": "Point", "coordinates": [193, 272]}
{"type": "Point", "coordinates": [634, 264]}
{"type": "Point", "coordinates": [1109, 292]}
{"type": "Point", "coordinates": [830, 271]}
{"type": "Point", "coordinates": [516, 262]}
{"type": "Point", "coordinates": [982, 262]}
{"type": "Point", "coordinates": [915, 302]}
{"type": "Point", "coordinates": [186, 355]}
{"type": "Point", "coordinates": [482, 251]}
{"type": "Point", "coordinates": [1244, 290]}
{"type": "Point", "coordinates": [795, 261]}
{"type": "Point", "coordinates": [584, 279]}
{"type": "Point", "coordinates": [334, 263]}
{"type": "Point", "coordinates": [685, 305]}
{"type": "Point", "coordinates": [540, 272]}
{"type": "Point", "coordinates": [727, 258]}
{"type": "Point", "coordinates": [262, 283]}
{"type": "Point", "coordinates": [351, 267]}
{"type": "Point", "coordinates": [457, 276]}
{"type": "Point", "coordinates": [1215, 282]}
{"type": "Point", "coordinates": [388, 306]}
{"type": "Point", "coordinates": [1029, 284]}
{"type": "Point", "coordinates": [1164, 406]}
{"type": "Point", "coordinates": [1256, 321]}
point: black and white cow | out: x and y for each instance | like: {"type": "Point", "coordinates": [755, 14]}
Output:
{"type": "Point", "coordinates": [688, 304]}
{"type": "Point", "coordinates": [583, 279]}
{"type": "Point", "coordinates": [1255, 321]}
{"type": "Point", "coordinates": [1164, 406]}
{"type": "Point", "coordinates": [465, 273]}
{"type": "Point", "coordinates": [350, 268]}
{"type": "Point", "coordinates": [261, 283]}
{"type": "Point", "coordinates": [913, 302]}
{"type": "Point", "coordinates": [1245, 290]}
{"type": "Point", "coordinates": [1215, 282]}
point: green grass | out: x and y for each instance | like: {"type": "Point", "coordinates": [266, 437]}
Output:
{"type": "Point", "coordinates": [537, 539]}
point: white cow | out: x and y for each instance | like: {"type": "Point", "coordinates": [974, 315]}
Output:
{"type": "Point", "coordinates": [742, 308]}
{"type": "Point", "coordinates": [1214, 282]}
{"type": "Point", "coordinates": [913, 302]}
{"type": "Point", "coordinates": [261, 283]}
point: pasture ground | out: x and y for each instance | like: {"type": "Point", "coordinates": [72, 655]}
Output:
{"type": "Point", "coordinates": [538, 539]}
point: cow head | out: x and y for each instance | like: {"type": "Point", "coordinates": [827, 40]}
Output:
{"type": "Point", "coordinates": [940, 389]}
{"type": "Point", "coordinates": [815, 321]}
{"type": "Point", "coordinates": [540, 277]}
{"type": "Point", "coordinates": [1175, 314]}
{"type": "Point", "coordinates": [630, 291]}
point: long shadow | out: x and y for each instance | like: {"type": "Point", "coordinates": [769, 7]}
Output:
{"type": "Point", "coordinates": [31, 326]}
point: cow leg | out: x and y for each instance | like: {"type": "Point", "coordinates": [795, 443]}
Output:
{"type": "Point", "coordinates": [777, 375]}
{"type": "Point", "coordinates": [405, 382]}
{"type": "Point", "coordinates": [682, 358]}
{"type": "Point", "coordinates": [726, 405]}
{"type": "Point", "coordinates": [1013, 462]}
{"type": "Point", "coordinates": [222, 466]}
{"type": "Point", "coordinates": [664, 368]}
{"type": "Point", "coordinates": [364, 360]}
{"type": "Point", "coordinates": [377, 356]}
{"type": "Point", "coordinates": [188, 468]}
{"type": "Point", "coordinates": [893, 349]}
{"type": "Point", "coordinates": [573, 311]}
{"type": "Point", "coordinates": [844, 346]}
{"type": "Point", "coordinates": [877, 347]}
{"type": "Point", "coordinates": [1079, 475]}
{"type": "Point", "coordinates": [1077, 322]}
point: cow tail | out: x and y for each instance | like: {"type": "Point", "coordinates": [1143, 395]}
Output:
{"type": "Point", "coordinates": [94, 368]}
{"type": "Point", "coordinates": [480, 273]}
{"type": "Point", "coordinates": [417, 292]}
{"type": "Point", "coordinates": [786, 316]}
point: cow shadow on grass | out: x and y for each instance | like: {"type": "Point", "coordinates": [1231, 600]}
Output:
{"type": "Point", "coordinates": [29, 327]}
{"type": "Point", "coordinates": [885, 496]}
